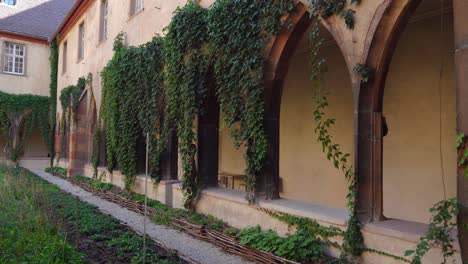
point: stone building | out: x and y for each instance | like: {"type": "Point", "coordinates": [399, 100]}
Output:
{"type": "Point", "coordinates": [25, 30]}
{"type": "Point", "coordinates": [400, 126]}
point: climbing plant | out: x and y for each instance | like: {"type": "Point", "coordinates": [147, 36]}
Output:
{"type": "Point", "coordinates": [133, 105]}
{"type": "Point", "coordinates": [353, 243]}
{"type": "Point", "coordinates": [69, 97]}
{"type": "Point", "coordinates": [186, 64]}
{"type": "Point", "coordinates": [54, 55]}
{"type": "Point", "coordinates": [442, 225]}
{"type": "Point", "coordinates": [462, 148]}
{"type": "Point", "coordinates": [238, 32]}
{"type": "Point", "coordinates": [33, 110]}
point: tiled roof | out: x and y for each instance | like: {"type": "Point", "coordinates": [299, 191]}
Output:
{"type": "Point", "coordinates": [34, 18]}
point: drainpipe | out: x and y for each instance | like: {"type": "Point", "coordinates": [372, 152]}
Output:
{"type": "Point", "coordinates": [460, 11]}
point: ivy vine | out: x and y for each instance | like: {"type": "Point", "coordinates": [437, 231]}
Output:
{"type": "Point", "coordinates": [353, 244]}
{"type": "Point", "coordinates": [238, 32]}
{"type": "Point", "coordinates": [186, 64]}
{"type": "Point", "coordinates": [439, 233]}
{"type": "Point", "coordinates": [462, 148]}
{"type": "Point", "coordinates": [54, 57]}
{"type": "Point", "coordinates": [133, 105]}
{"type": "Point", "coordinates": [33, 110]}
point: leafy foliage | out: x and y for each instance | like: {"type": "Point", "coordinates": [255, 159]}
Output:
{"type": "Point", "coordinates": [27, 234]}
{"type": "Point", "coordinates": [54, 56]}
{"type": "Point", "coordinates": [35, 112]}
{"type": "Point", "coordinates": [298, 247]}
{"type": "Point", "coordinates": [133, 105]}
{"type": "Point", "coordinates": [353, 243]}
{"type": "Point", "coordinates": [238, 32]}
{"type": "Point", "coordinates": [462, 147]}
{"type": "Point", "coordinates": [185, 73]}
{"type": "Point", "coordinates": [442, 224]}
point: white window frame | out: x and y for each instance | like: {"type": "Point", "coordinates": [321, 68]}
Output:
{"type": "Point", "coordinates": [5, 2]}
{"type": "Point", "coordinates": [104, 16]}
{"type": "Point", "coordinates": [81, 41]}
{"type": "Point", "coordinates": [64, 56]}
{"type": "Point", "coordinates": [12, 57]}
{"type": "Point", "coordinates": [136, 6]}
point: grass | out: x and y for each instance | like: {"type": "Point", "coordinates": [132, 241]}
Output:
{"type": "Point", "coordinates": [27, 234]}
{"type": "Point", "coordinates": [41, 224]}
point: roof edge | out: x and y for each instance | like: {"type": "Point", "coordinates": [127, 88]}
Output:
{"type": "Point", "coordinates": [66, 19]}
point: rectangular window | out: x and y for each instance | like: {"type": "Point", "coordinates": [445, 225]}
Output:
{"type": "Point", "coordinates": [104, 13]}
{"type": "Point", "coordinates": [64, 57]}
{"type": "Point", "coordinates": [14, 58]}
{"type": "Point", "coordinates": [81, 39]}
{"type": "Point", "coordinates": [9, 2]}
{"type": "Point", "coordinates": [135, 6]}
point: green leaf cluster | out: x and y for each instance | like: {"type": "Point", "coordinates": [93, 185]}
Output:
{"type": "Point", "coordinates": [462, 147]}
{"type": "Point", "coordinates": [133, 105]}
{"type": "Point", "coordinates": [53, 59]}
{"type": "Point", "coordinates": [186, 66]}
{"type": "Point", "coordinates": [299, 247]}
{"type": "Point", "coordinates": [35, 112]}
{"type": "Point", "coordinates": [442, 225]}
{"type": "Point", "coordinates": [238, 32]}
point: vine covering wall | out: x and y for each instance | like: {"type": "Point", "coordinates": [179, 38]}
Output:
{"type": "Point", "coordinates": [19, 114]}
{"type": "Point", "coordinates": [133, 104]}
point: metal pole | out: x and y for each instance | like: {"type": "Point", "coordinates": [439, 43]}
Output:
{"type": "Point", "coordinates": [146, 199]}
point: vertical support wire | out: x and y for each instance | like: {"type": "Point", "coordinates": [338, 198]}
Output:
{"type": "Point", "coordinates": [441, 73]}
{"type": "Point", "coordinates": [146, 199]}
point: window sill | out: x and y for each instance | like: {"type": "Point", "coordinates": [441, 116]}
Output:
{"type": "Point", "coordinates": [330, 215]}
{"type": "Point", "coordinates": [402, 229]}
{"type": "Point", "coordinates": [15, 74]}
{"type": "Point", "coordinates": [100, 42]}
{"type": "Point", "coordinates": [136, 14]}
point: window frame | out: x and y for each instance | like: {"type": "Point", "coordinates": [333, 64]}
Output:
{"type": "Point", "coordinates": [5, 57]}
{"type": "Point", "coordinates": [5, 3]}
{"type": "Point", "coordinates": [103, 20]}
{"type": "Point", "coordinates": [133, 7]}
{"type": "Point", "coordinates": [64, 56]}
{"type": "Point", "coordinates": [81, 41]}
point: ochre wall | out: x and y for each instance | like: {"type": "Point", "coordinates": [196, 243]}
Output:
{"type": "Point", "coordinates": [412, 167]}
{"type": "Point", "coordinates": [37, 78]}
{"type": "Point", "coordinates": [35, 146]}
{"type": "Point", "coordinates": [305, 172]}
{"type": "Point", "coordinates": [139, 29]}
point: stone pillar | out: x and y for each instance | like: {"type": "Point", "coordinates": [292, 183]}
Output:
{"type": "Point", "coordinates": [460, 8]}
{"type": "Point", "coordinates": [169, 157]}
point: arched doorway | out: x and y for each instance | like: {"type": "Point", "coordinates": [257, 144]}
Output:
{"type": "Point", "coordinates": [419, 105]}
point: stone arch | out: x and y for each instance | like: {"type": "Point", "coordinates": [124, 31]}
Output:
{"type": "Point", "coordinates": [79, 135]}
{"type": "Point", "coordinates": [278, 53]}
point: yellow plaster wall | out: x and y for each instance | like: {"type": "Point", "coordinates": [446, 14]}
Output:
{"type": "Point", "coordinates": [412, 167]}
{"type": "Point", "coordinates": [35, 146]}
{"type": "Point", "coordinates": [305, 172]}
{"type": "Point", "coordinates": [37, 78]}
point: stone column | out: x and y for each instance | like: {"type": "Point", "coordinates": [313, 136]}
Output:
{"type": "Point", "coordinates": [460, 9]}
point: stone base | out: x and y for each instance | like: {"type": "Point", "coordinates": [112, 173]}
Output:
{"type": "Point", "coordinates": [390, 236]}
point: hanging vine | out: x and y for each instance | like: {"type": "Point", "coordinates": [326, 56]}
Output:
{"type": "Point", "coordinates": [54, 55]}
{"type": "Point", "coordinates": [19, 114]}
{"type": "Point", "coordinates": [462, 148]}
{"type": "Point", "coordinates": [439, 232]}
{"type": "Point", "coordinates": [238, 32]}
{"type": "Point", "coordinates": [353, 244]}
{"type": "Point", "coordinates": [133, 105]}
{"type": "Point", "coordinates": [186, 64]}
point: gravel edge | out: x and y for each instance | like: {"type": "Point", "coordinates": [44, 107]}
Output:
{"type": "Point", "coordinates": [188, 247]}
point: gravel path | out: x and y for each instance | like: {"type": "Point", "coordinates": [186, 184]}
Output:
{"type": "Point", "coordinates": [186, 246]}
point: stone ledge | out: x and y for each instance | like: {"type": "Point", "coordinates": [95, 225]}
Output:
{"type": "Point", "coordinates": [330, 215]}
{"type": "Point", "coordinates": [402, 229]}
